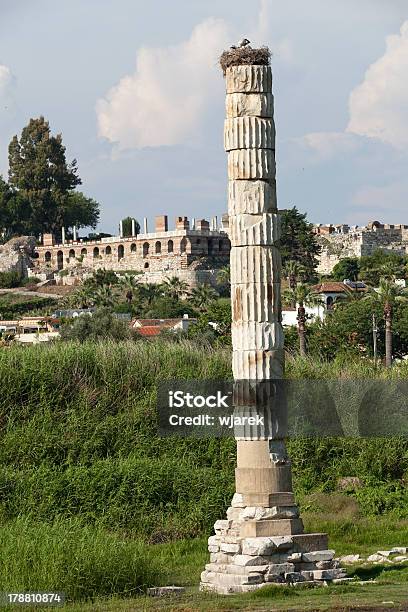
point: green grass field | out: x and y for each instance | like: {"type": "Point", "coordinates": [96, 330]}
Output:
{"type": "Point", "coordinates": [94, 503]}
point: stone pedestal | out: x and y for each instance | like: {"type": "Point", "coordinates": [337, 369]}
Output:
{"type": "Point", "coordinates": [261, 540]}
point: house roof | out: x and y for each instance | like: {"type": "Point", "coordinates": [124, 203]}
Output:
{"type": "Point", "coordinates": [155, 322]}
{"type": "Point", "coordinates": [336, 287]}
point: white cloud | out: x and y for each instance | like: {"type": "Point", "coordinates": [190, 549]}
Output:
{"type": "Point", "coordinates": [328, 144]}
{"type": "Point", "coordinates": [6, 80]}
{"type": "Point", "coordinates": [163, 101]}
{"type": "Point", "coordinates": [379, 105]}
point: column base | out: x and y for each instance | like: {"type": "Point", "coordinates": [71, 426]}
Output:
{"type": "Point", "coordinates": [262, 544]}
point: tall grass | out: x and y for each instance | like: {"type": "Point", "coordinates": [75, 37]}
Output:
{"type": "Point", "coordinates": [69, 557]}
{"type": "Point", "coordinates": [78, 438]}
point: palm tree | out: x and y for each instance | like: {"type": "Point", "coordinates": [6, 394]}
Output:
{"type": "Point", "coordinates": [104, 296]}
{"type": "Point", "coordinates": [175, 288]}
{"type": "Point", "coordinates": [83, 297]}
{"type": "Point", "coordinates": [387, 294]}
{"type": "Point", "coordinates": [224, 275]}
{"type": "Point", "coordinates": [202, 295]}
{"type": "Point", "coordinates": [293, 270]}
{"type": "Point", "coordinates": [130, 284]}
{"type": "Point", "coordinates": [149, 292]}
{"type": "Point", "coordinates": [301, 295]}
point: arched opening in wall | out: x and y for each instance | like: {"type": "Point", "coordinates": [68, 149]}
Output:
{"type": "Point", "coordinates": [170, 246]}
{"type": "Point", "coordinates": [329, 303]}
{"type": "Point", "coordinates": [183, 245]}
{"type": "Point", "coordinates": [84, 252]}
{"type": "Point", "coordinates": [121, 251]}
{"type": "Point", "coordinates": [133, 247]}
{"type": "Point", "coordinates": [96, 252]}
{"type": "Point", "coordinates": [47, 257]}
{"type": "Point", "coordinates": [157, 247]}
{"type": "Point", "coordinates": [35, 255]}
{"type": "Point", "coordinates": [146, 265]}
{"type": "Point", "coordinates": [210, 246]}
{"type": "Point", "coordinates": [145, 249]}
{"type": "Point", "coordinates": [60, 260]}
{"type": "Point", "coordinates": [71, 254]}
{"type": "Point", "coordinates": [108, 250]}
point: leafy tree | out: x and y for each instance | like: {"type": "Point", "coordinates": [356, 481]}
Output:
{"type": "Point", "coordinates": [348, 267]}
{"type": "Point", "coordinates": [382, 264]}
{"type": "Point", "coordinates": [101, 278]}
{"type": "Point", "coordinates": [127, 227]}
{"type": "Point", "coordinates": [165, 307]}
{"type": "Point", "coordinates": [298, 242]}
{"type": "Point", "coordinates": [102, 325]}
{"type": "Point", "coordinates": [13, 213]}
{"type": "Point", "coordinates": [45, 182]}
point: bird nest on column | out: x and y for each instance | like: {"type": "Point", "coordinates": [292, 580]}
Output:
{"type": "Point", "coordinates": [237, 56]}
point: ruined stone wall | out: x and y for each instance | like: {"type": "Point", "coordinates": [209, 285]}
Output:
{"type": "Point", "coordinates": [358, 243]}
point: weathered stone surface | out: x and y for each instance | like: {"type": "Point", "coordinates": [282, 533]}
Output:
{"type": "Point", "coordinates": [400, 559]}
{"type": "Point", "coordinates": [221, 557]}
{"type": "Point", "coordinates": [258, 546]}
{"type": "Point", "coordinates": [260, 365]}
{"type": "Point", "coordinates": [231, 579]}
{"type": "Point", "coordinates": [262, 480]}
{"type": "Point", "coordinates": [294, 577]}
{"type": "Point", "coordinates": [248, 78]}
{"type": "Point", "coordinates": [260, 513]}
{"type": "Point", "coordinates": [15, 255]}
{"type": "Point", "coordinates": [227, 590]}
{"type": "Point", "coordinates": [254, 230]}
{"type": "Point", "coordinates": [348, 559]}
{"type": "Point", "coordinates": [249, 133]}
{"type": "Point", "coordinates": [318, 555]}
{"type": "Point", "coordinates": [278, 578]}
{"type": "Point", "coordinates": [234, 514]}
{"type": "Point", "coordinates": [271, 527]}
{"type": "Point", "coordinates": [329, 574]}
{"type": "Point", "coordinates": [232, 568]}
{"type": "Point", "coordinates": [255, 264]}
{"type": "Point", "coordinates": [376, 557]}
{"type": "Point", "coordinates": [268, 500]}
{"type": "Point", "coordinates": [251, 197]}
{"type": "Point", "coordinates": [255, 335]}
{"type": "Point", "coordinates": [230, 548]}
{"type": "Point", "coordinates": [249, 560]}
{"type": "Point", "coordinates": [324, 564]}
{"type": "Point", "coordinates": [253, 105]}
{"type": "Point", "coordinates": [399, 550]}
{"type": "Point", "coordinates": [308, 542]}
{"type": "Point", "coordinates": [257, 302]}
{"type": "Point", "coordinates": [221, 527]}
{"type": "Point", "coordinates": [280, 568]}
{"type": "Point", "coordinates": [251, 164]}
{"type": "Point", "coordinates": [238, 501]}
{"type": "Point", "coordinates": [165, 590]}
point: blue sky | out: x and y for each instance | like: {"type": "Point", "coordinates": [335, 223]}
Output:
{"type": "Point", "coordinates": [135, 89]}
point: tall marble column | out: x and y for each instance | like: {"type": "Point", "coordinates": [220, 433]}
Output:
{"type": "Point", "coordinates": [262, 538]}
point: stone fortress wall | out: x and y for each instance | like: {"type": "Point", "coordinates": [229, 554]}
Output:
{"type": "Point", "coordinates": [340, 241]}
{"type": "Point", "coordinates": [193, 252]}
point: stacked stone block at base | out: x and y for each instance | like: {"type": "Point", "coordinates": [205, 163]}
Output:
{"type": "Point", "coordinates": [240, 563]}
